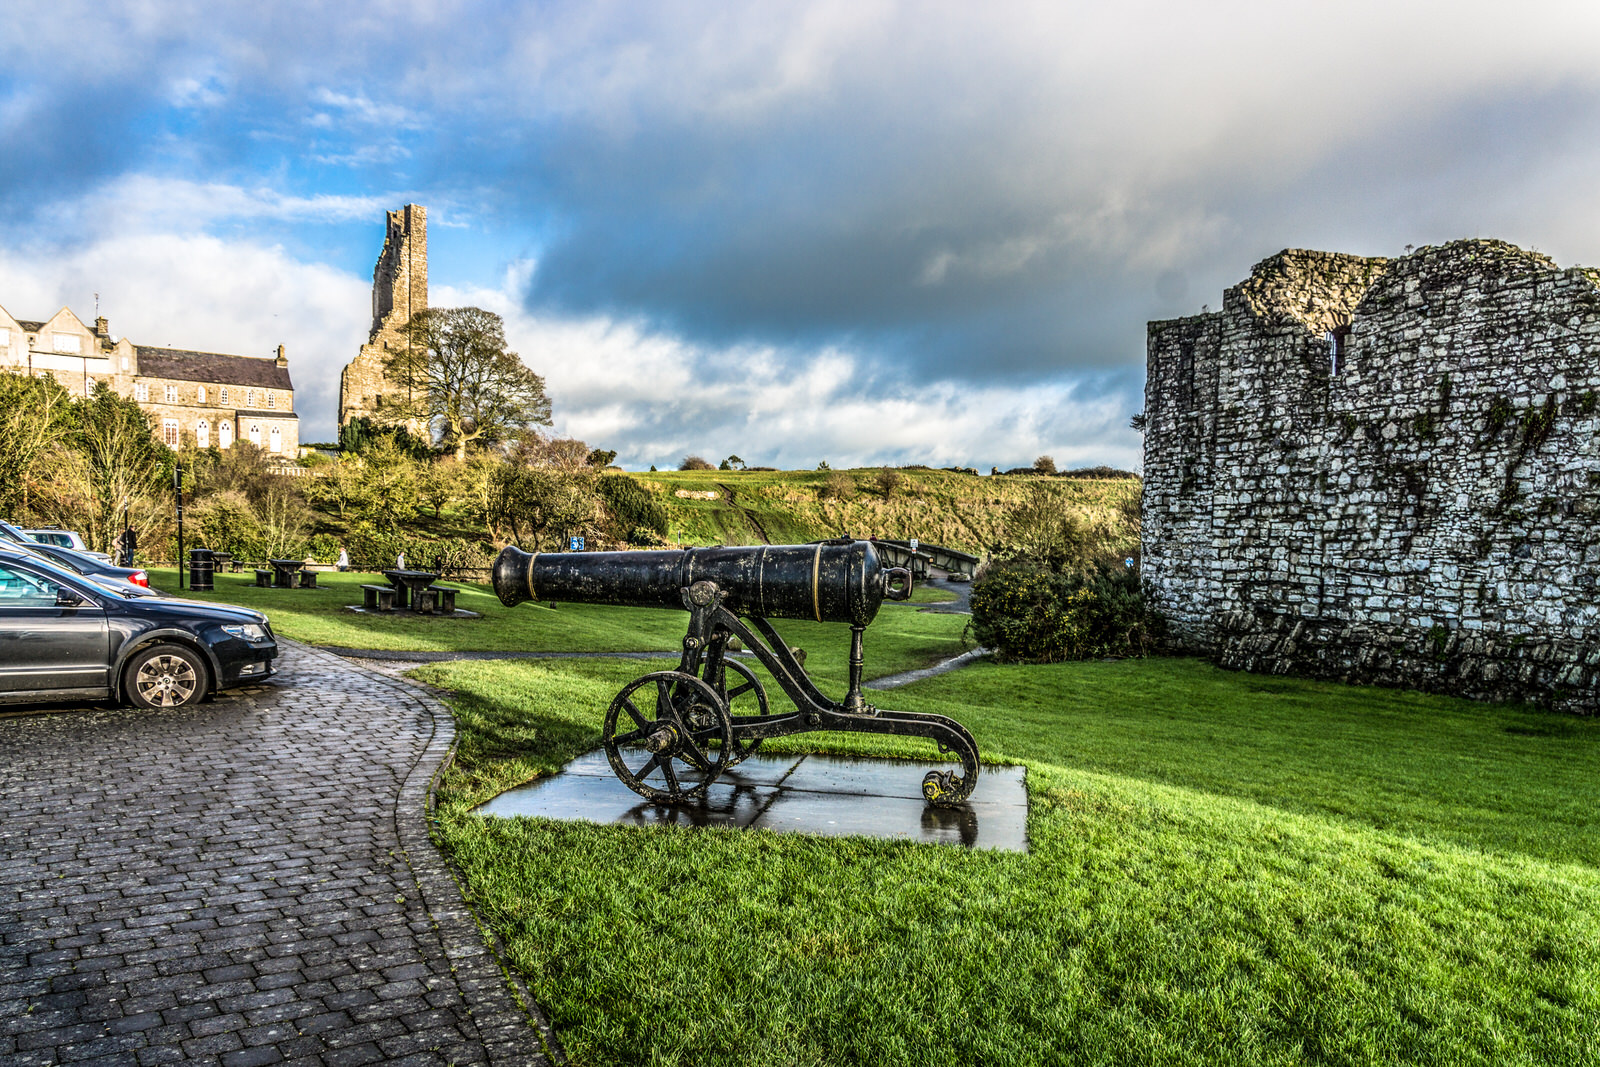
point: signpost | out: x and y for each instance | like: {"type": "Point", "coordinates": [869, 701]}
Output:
{"type": "Point", "coordinates": [575, 544]}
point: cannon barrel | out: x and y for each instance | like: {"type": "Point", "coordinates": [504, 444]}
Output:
{"type": "Point", "coordinates": [833, 581]}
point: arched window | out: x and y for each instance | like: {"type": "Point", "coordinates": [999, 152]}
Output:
{"type": "Point", "coordinates": [224, 393]}
{"type": "Point", "coordinates": [225, 434]}
{"type": "Point", "coordinates": [275, 440]}
{"type": "Point", "coordinates": [255, 434]}
{"type": "Point", "coordinates": [202, 434]}
{"type": "Point", "coordinates": [200, 397]}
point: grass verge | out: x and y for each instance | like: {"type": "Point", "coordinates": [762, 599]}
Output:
{"type": "Point", "coordinates": [1225, 869]}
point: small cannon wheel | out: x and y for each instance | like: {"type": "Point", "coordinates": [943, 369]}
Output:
{"type": "Point", "coordinates": [674, 746]}
{"type": "Point", "coordinates": [731, 693]}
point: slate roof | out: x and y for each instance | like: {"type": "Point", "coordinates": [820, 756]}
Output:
{"type": "Point", "coordinates": [186, 366]}
{"type": "Point", "coordinates": [30, 325]}
{"type": "Point", "coordinates": [265, 413]}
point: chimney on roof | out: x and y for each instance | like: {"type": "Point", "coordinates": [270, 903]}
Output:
{"type": "Point", "coordinates": [102, 327]}
{"type": "Point", "coordinates": [283, 360]}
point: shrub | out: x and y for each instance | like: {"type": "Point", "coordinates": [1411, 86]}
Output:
{"type": "Point", "coordinates": [1029, 613]}
{"type": "Point", "coordinates": [838, 486]}
{"type": "Point", "coordinates": [1044, 465]}
{"type": "Point", "coordinates": [324, 548]}
{"type": "Point", "coordinates": [888, 481]}
{"type": "Point", "coordinates": [372, 549]}
{"type": "Point", "coordinates": [632, 508]}
{"type": "Point", "coordinates": [695, 463]}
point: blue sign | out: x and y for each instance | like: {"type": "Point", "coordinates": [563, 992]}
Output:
{"type": "Point", "coordinates": [577, 545]}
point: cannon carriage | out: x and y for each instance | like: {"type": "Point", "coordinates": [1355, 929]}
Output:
{"type": "Point", "coordinates": [669, 735]}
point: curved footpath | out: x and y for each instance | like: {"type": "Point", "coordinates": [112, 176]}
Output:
{"type": "Point", "coordinates": [248, 881]}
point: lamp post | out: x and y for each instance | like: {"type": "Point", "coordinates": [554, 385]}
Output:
{"type": "Point", "coordinates": [177, 487]}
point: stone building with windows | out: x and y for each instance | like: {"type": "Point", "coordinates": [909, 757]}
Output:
{"type": "Point", "coordinates": [205, 398]}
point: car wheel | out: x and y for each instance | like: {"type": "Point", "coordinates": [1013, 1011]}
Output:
{"type": "Point", "coordinates": [164, 676]}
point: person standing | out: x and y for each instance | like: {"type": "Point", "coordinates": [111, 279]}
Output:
{"type": "Point", "coordinates": [127, 544]}
{"type": "Point", "coordinates": [344, 559]}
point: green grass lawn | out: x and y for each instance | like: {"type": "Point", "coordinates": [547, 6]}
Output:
{"type": "Point", "coordinates": [1225, 868]}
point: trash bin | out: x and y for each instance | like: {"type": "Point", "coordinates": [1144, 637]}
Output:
{"type": "Point", "coordinates": [201, 567]}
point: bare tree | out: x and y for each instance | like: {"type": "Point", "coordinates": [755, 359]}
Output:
{"type": "Point", "coordinates": [461, 379]}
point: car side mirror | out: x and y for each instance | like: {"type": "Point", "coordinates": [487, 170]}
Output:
{"type": "Point", "coordinates": [67, 598]}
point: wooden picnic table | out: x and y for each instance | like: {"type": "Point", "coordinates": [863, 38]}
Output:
{"type": "Point", "coordinates": [408, 584]}
{"type": "Point", "coordinates": [286, 572]}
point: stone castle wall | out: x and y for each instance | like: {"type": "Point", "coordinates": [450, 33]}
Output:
{"type": "Point", "coordinates": [1385, 471]}
{"type": "Point", "coordinates": [399, 291]}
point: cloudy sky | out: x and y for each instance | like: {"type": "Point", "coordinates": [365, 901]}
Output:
{"type": "Point", "coordinates": [857, 231]}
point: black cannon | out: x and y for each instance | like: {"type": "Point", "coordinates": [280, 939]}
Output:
{"type": "Point", "coordinates": [670, 734]}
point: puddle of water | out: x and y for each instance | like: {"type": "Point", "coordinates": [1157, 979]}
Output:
{"type": "Point", "coordinates": [827, 795]}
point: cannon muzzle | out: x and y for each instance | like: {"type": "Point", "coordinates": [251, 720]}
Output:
{"type": "Point", "coordinates": [831, 581]}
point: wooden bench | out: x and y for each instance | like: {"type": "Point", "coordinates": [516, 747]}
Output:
{"type": "Point", "coordinates": [435, 600]}
{"type": "Point", "coordinates": [264, 577]}
{"type": "Point", "coordinates": [308, 579]}
{"type": "Point", "coordinates": [377, 597]}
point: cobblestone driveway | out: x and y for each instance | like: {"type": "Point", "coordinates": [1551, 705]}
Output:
{"type": "Point", "coordinates": [244, 882]}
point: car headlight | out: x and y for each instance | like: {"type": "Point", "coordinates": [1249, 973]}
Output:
{"type": "Point", "coordinates": [248, 630]}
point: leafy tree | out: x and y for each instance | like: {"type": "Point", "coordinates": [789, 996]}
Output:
{"type": "Point", "coordinates": [695, 463]}
{"type": "Point", "coordinates": [732, 463]}
{"type": "Point", "coordinates": [435, 485]}
{"type": "Point", "coordinates": [461, 378]}
{"type": "Point", "coordinates": [1044, 465]}
{"type": "Point", "coordinates": [602, 457]}
{"type": "Point", "coordinates": [638, 516]}
{"type": "Point", "coordinates": [344, 486]}
{"type": "Point", "coordinates": [35, 413]}
{"type": "Point", "coordinates": [889, 481]}
{"type": "Point", "coordinates": [391, 487]}
{"type": "Point", "coordinates": [1044, 530]}
{"type": "Point", "coordinates": [536, 501]}
{"type": "Point", "coordinates": [114, 466]}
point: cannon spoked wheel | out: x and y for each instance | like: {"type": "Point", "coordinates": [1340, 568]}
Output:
{"type": "Point", "coordinates": [754, 704]}
{"type": "Point", "coordinates": [672, 744]}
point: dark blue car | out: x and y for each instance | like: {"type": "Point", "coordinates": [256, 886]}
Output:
{"type": "Point", "coordinates": [64, 637]}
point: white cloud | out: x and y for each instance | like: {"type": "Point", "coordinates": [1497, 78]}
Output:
{"type": "Point", "coordinates": [203, 293]}
{"type": "Point", "coordinates": [656, 398]}
{"type": "Point", "coordinates": [147, 203]}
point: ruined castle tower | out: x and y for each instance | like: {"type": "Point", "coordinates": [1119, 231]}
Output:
{"type": "Point", "coordinates": [399, 291]}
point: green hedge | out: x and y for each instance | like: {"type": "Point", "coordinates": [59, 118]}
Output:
{"type": "Point", "coordinates": [1030, 613]}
